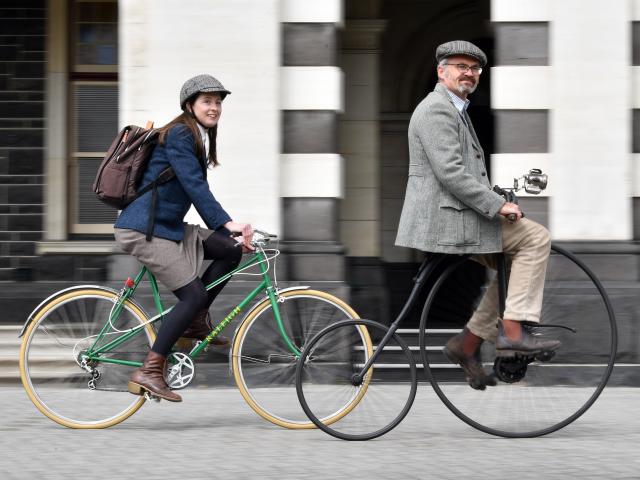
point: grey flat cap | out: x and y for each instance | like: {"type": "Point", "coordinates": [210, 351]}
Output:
{"type": "Point", "coordinates": [201, 83]}
{"type": "Point", "coordinates": [460, 47]}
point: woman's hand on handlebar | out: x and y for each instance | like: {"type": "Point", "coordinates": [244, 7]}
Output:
{"type": "Point", "coordinates": [511, 211]}
{"type": "Point", "coordinates": [245, 230]}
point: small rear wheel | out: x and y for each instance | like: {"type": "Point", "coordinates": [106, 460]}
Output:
{"type": "Point", "coordinates": [330, 379]}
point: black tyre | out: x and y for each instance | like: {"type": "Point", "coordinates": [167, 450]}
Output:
{"type": "Point", "coordinates": [533, 397]}
{"type": "Point", "coordinates": [326, 379]}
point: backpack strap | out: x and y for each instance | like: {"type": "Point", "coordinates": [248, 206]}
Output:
{"type": "Point", "coordinates": [165, 176]}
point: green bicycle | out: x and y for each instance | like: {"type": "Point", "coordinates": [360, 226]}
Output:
{"type": "Point", "coordinates": [81, 344]}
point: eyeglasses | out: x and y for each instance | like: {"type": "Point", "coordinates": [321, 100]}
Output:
{"type": "Point", "coordinates": [464, 68]}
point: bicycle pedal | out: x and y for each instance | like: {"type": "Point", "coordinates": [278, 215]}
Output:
{"type": "Point", "coordinates": [545, 356]}
{"type": "Point", "coordinates": [516, 354]}
{"type": "Point", "coordinates": [150, 397]}
{"type": "Point", "coordinates": [506, 353]}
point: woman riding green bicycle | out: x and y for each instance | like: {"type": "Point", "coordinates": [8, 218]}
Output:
{"type": "Point", "coordinates": [173, 250]}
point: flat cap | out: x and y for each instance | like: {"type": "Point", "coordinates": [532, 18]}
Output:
{"type": "Point", "coordinates": [201, 84]}
{"type": "Point", "coordinates": [460, 47]}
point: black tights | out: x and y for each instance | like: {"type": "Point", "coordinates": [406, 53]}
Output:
{"type": "Point", "coordinates": [193, 297]}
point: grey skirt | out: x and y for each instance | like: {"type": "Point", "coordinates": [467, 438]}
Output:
{"type": "Point", "coordinates": [174, 264]}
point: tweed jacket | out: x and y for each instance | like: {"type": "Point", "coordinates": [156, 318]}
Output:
{"type": "Point", "coordinates": [176, 196]}
{"type": "Point", "coordinates": [449, 206]}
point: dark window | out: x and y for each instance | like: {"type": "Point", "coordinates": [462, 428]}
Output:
{"type": "Point", "coordinates": [93, 94]}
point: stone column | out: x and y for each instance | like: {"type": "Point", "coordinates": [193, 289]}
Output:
{"type": "Point", "coordinates": [590, 121]}
{"type": "Point", "coordinates": [311, 166]}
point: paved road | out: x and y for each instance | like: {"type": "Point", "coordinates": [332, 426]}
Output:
{"type": "Point", "coordinates": [213, 434]}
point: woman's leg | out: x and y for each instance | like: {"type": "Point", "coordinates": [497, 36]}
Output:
{"type": "Point", "coordinates": [151, 376]}
{"type": "Point", "coordinates": [226, 254]}
{"type": "Point", "coordinates": [192, 299]}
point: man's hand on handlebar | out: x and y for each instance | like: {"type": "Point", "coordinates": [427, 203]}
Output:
{"type": "Point", "coordinates": [511, 211]}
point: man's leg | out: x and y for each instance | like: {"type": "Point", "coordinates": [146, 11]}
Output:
{"type": "Point", "coordinates": [527, 246]}
{"type": "Point", "coordinates": [484, 321]}
{"type": "Point", "coordinates": [464, 348]}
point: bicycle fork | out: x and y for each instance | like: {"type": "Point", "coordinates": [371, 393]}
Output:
{"type": "Point", "coordinates": [427, 267]}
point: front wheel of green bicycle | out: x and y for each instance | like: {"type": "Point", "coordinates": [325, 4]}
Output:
{"type": "Point", "coordinates": [264, 365]}
{"type": "Point", "coordinates": [58, 378]}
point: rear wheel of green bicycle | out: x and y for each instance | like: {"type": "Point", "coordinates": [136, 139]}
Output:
{"type": "Point", "coordinates": [538, 396]}
{"type": "Point", "coordinates": [51, 358]}
{"type": "Point", "coordinates": [264, 365]}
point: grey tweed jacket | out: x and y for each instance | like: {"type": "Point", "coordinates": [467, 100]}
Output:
{"type": "Point", "coordinates": [449, 206]}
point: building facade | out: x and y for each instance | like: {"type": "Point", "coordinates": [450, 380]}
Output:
{"type": "Point", "coordinates": [313, 138]}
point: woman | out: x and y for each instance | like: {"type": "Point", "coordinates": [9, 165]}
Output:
{"type": "Point", "coordinates": [176, 249]}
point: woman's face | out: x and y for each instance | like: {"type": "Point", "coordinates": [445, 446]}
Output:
{"type": "Point", "coordinates": [207, 109]}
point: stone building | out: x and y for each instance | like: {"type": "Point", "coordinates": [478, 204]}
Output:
{"type": "Point", "coordinates": [313, 139]}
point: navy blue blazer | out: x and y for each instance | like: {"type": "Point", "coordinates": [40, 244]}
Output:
{"type": "Point", "coordinates": [176, 196]}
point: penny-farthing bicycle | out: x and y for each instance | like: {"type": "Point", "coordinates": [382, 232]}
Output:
{"type": "Point", "coordinates": [535, 395]}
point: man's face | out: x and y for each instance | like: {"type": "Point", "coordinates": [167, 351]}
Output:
{"type": "Point", "coordinates": [455, 79]}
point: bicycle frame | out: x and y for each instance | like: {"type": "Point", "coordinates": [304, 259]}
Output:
{"type": "Point", "coordinates": [94, 353]}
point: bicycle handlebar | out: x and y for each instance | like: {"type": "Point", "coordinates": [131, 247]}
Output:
{"type": "Point", "coordinates": [263, 237]}
{"type": "Point", "coordinates": [510, 197]}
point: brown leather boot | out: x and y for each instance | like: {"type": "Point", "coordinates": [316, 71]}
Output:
{"type": "Point", "coordinates": [201, 327]}
{"type": "Point", "coordinates": [477, 378]}
{"type": "Point", "coordinates": [150, 377]}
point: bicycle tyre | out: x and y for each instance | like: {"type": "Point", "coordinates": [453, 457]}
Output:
{"type": "Point", "coordinates": [549, 395]}
{"type": "Point", "coordinates": [51, 375]}
{"type": "Point", "coordinates": [325, 371]}
{"type": "Point", "coordinates": [263, 365]}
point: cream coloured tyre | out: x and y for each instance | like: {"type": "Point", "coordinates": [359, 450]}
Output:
{"type": "Point", "coordinates": [54, 369]}
{"type": "Point", "coordinates": [264, 364]}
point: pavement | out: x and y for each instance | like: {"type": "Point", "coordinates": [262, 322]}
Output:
{"type": "Point", "coordinates": [214, 434]}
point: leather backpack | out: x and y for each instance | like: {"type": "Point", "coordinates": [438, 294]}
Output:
{"type": "Point", "coordinates": [118, 179]}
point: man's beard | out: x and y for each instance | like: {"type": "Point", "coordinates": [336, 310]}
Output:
{"type": "Point", "coordinates": [466, 89]}
{"type": "Point", "coordinates": [463, 89]}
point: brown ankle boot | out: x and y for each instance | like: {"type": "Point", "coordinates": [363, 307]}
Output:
{"type": "Point", "coordinates": [201, 327]}
{"type": "Point", "coordinates": [150, 377]}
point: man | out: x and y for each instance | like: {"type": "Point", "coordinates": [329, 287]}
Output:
{"type": "Point", "coordinates": [450, 207]}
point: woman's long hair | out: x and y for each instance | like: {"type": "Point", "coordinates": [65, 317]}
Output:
{"type": "Point", "coordinates": [189, 120]}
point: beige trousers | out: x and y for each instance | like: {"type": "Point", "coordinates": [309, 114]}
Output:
{"type": "Point", "coordinates": [526, 245]}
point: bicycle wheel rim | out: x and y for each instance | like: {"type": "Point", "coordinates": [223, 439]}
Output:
{"type": "Point", "coordinates": [568, 395]}
{"type": "Point", "coordinates": [52, 378]}
{"type": "Point", "coordinates": [325, 372]}
{"type": "Point", "coordinates": [269, 388]}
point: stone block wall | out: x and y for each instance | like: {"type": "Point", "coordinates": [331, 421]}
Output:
{"type": "Point", "coordinates": [22, 105]}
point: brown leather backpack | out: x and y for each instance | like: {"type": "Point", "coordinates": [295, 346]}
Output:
{"type": "Point", "coordinates": [121, 171]}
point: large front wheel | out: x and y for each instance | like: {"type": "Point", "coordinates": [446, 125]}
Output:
{"type": "Point", "coordinates": [264, 356]}
{"type": "Point", "coordinates": [534, 396]}
{"type": "Point", "coordinates": [64, 381]}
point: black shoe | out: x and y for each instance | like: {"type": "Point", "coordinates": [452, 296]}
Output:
{"type": "Point", "coordinates": [528, 344]}
{"type": "Point", "coordinates": [472, 365]}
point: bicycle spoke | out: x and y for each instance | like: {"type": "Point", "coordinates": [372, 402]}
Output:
{"type": "Point", "coordinates": [268, 384]}
{"type": "Point", "coordinates": [53, 376]}
{"type": "Point", "coordinates": [546, 395]}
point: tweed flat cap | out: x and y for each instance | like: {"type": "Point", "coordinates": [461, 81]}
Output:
{"type": "Point", "coordinates": [460, 47]}
{"type": "Point", "coordinates": [201, 83]}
